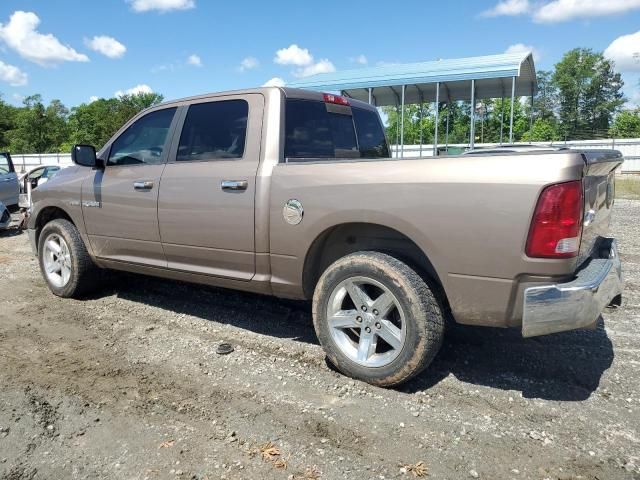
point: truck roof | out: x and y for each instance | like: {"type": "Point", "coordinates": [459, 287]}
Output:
{"type": "Point", "coordinates": [288, 93]}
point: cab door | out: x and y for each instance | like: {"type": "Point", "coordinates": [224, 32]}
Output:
{"type": "Point", "coordinates": [207, 193]}
{"type": "Point", "coordinates": [120, 202]}
{"type": "Point", "coordinates": [9, 186]}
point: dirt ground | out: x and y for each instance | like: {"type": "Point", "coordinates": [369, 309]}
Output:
{"type": "Point", "coordinates": [127, 384]}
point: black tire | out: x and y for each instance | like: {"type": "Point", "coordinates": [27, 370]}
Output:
{"type": "Point", "coordinates": [84, 273]}
{"type": "Point", "coordinates": [424, 319]}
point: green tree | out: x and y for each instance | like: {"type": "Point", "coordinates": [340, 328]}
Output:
{"type": "Point", "coordinates": [492, 115]}
{"type": "Point", "coordinates": [544, 130]}
{"type": "Point", "coordinates": [94, 123]}
{"type": "Point", "coordinates": [39, 129]}
{"type": "Point", "coordinates": [545, 101]}
{"type": "Point", "coordinates": [589, 92]}
{"type": "Point", "coordinates": [7, 123]}
{"type": "Point", "coordinates": [626, 125]}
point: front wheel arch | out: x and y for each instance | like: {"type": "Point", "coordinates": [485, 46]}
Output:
{"type": "Point", "coordinates": [48, 214]}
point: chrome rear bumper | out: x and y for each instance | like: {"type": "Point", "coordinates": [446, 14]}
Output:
{"type": "Point", "coordinates": [575, 304]}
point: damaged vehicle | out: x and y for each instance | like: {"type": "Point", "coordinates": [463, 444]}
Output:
{"type": "Point", "coordinates": [37, 176]}
{"type": "Point", "coordinates": [293, 193]}
{"type": "Point", "coordinates": [5, 217]}
{"type": "Point", "coordinates": [9, 185]}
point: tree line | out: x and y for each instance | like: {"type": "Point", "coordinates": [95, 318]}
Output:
{"type": "Point", "coordinates": [36, 128]}
{"type": "Point", "coordinates": [581, 98]}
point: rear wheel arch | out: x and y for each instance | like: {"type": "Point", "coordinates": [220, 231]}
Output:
{"type": "Point", "coordinates": [344, 239]}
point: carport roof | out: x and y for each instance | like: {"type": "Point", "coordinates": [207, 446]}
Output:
{"type": "Point", "coordinates": [493, 75]}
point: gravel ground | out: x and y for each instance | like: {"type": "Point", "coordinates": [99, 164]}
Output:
{"type": "Point", "coordinates": [127, 384]}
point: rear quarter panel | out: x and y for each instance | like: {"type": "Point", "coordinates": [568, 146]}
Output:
{"type": "Point", "coordinates": [469, 215]}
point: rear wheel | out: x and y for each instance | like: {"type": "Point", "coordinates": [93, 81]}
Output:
{"type": "Point", "coordinates": [64, 261]}
{"type": "Point", "coordinates": [376, 318]}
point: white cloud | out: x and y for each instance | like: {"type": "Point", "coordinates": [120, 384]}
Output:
{"type": "Point", "coordinates": [360, 59]}
{"type": "Point", "coordinates": [161, 5]}
{"type": "Point", "coordinates": [138, 89]}
{"type": "Point", "coordinates": [522, 48]}
{"type": "Point", "coordinates": [194, 60]}
{"type": "Point", "coordinates": [274, 82]}
{"type": "Point", "coordinates": [108, 46]}
{"type": "Point", "coordinates": [509, 8]}
{"type": "Point", "coordinates": [248, 63]}
{"type": "Point", "coordinates": [625, 52]}
{"type": "Point", "coordinates": [563, 10]}
{"type": "Point", "coordinates": [93, 98]}
{"type": "Point", "coordinates": [12, 75]}
{"type": "Point", "coordinates": [293, 55]}
{"type": "Point", "coordinates": [323, 66]}
{"type": "Point", "coordinates": [300, 57]}
{"type": "Point", "coordinates": [21, 35]}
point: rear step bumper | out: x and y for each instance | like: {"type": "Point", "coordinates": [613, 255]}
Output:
{"type": "Point", "coordinates": [579, 303]}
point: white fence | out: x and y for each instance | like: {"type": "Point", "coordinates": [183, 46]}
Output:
{"type": "Point", "coordinates": [630, 148]}
{"type": "Point", "coordinates": [22, 163]}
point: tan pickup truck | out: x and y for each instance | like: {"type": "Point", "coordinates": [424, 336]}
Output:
{"type": "Point", "coordinates": [292, 193]}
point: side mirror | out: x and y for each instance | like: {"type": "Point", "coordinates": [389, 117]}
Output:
{"type": "Point", "coordinates": [85, 155]}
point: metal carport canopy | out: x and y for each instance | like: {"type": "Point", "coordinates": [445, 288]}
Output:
{"type": "Point", "coordinates": [492, 75]}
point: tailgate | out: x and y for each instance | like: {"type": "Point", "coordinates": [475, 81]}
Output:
{"type": "Point", "coordinates": [599, 193]}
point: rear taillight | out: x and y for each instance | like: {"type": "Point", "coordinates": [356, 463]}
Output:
{"type": "Point", "coordinates": [337, 99]}
{"type": "Point", "coordinates": [556, 227]}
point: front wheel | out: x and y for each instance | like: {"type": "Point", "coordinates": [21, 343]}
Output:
{"type": "Point", "coordinates": [64, 261]}
{"type": "Point", "coordinates": [376, 318]}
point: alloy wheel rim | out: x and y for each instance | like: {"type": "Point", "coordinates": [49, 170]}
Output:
{"type": "Point", "coordinates": [366, 322]}
{"type": "Point", "coordinates": [56, 259]}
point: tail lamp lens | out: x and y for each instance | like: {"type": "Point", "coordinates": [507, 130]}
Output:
{"type": "Point", "coordinates": [556, 227]}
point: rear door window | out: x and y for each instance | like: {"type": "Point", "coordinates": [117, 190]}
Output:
{"type": "Point", "coordinates": [316, 130]}
{"type": "Point", "coordinates": [214, 131]}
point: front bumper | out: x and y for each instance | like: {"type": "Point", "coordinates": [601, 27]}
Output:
{"type": "Point", "coordinates": [578, 303]}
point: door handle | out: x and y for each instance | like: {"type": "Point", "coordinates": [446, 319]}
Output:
{"type": "Point", "coordinates": [234, 185]}
{"type": "Point", "coordinates": [142, 185]}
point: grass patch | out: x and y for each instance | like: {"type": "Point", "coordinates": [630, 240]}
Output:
{"type": "Point", "coordinates": [628, 186]}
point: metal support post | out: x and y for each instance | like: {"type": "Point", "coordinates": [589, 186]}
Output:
{"type": "Point", "coordinates": [435, 140]}
{"type": "Point", "coordinates": [472, 130]}
{"type": "Point", "coordinates": [402, 124]}
{"type": "Point", "coordinates": [513, 96]}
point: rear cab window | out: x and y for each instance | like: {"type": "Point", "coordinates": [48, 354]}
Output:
{"type": "Point", "coordinates": [319, 130]}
